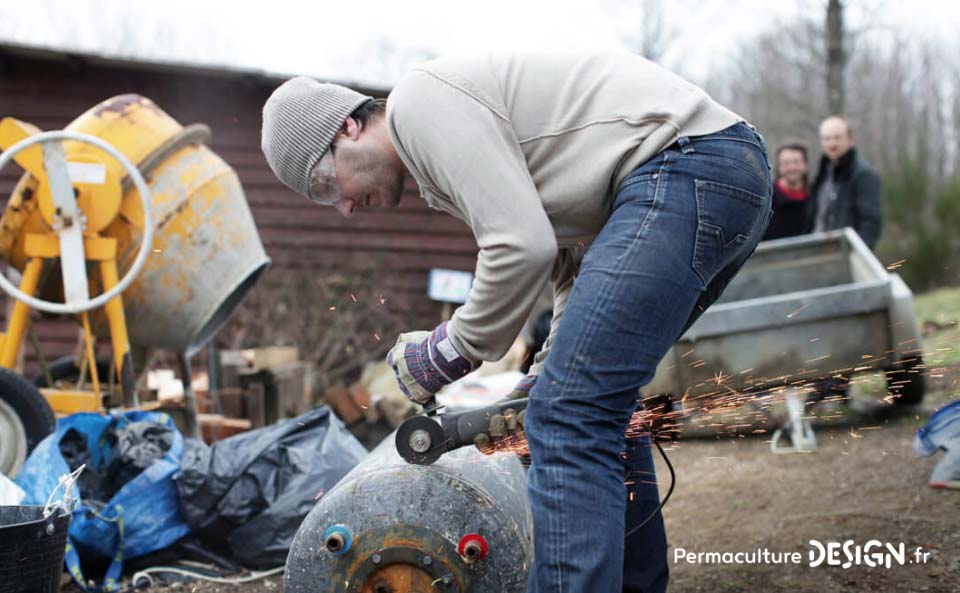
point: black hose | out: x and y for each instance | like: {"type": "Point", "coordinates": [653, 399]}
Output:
{"type": "Point", "coordinates": [673, 481]}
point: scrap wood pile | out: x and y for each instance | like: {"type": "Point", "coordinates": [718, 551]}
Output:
{"type": "Point", "coordinates": [257, 387]}
{"type": "Point", "coordinates": [246, 389]}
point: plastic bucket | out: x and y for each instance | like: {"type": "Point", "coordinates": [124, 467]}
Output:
{"type": "Point", "coordinates": [31, 549]}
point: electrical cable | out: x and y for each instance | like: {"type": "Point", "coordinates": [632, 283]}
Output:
{"type": "Point", "coordinates": [142, 579]}
{"type": "Point", "coordinates": [673, 481]}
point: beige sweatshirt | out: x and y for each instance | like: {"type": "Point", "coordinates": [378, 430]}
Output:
{"type": "Point", "coordinates": [529, 150]}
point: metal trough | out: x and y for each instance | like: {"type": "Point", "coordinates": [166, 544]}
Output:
{"type": "Point", "coordinates": [801, 309]}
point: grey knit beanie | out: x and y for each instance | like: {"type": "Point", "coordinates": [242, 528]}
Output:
{"type": "Point", "coordinates": [300, 120]}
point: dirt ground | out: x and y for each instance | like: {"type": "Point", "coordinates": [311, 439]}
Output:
{"type": "Point", "coordinates": [733, 495]}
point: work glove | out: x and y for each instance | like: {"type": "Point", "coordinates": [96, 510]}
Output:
{"type": "Point", "coordinates": [425, 362]}
{"type": "Point", "coordinates": [506, 430]}
{"type": "Point", "coordinates": [522, 389]}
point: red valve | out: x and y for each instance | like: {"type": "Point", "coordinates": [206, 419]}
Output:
{"type": "Point", "coordinates": [472, 547]}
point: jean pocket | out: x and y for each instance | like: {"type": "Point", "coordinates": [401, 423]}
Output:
{"type": "Point", "coordinates": [739, 155]}
{"type": "Point", "coordinates": [727, 216]}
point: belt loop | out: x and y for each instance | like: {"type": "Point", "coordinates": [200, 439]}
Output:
{"type": "Point", "coordinates": [686, 147]}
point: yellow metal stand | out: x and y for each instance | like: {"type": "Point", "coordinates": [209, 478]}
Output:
{"type": "Point", "coordinates": [100, 204]}
{"type": "Point", "coordinates": [70, 401]}
{"type": "Point", "coordinates": [13, 337]}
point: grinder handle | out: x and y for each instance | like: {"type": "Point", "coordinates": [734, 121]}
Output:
{"type": "Point", "coordinates": [461, 428]}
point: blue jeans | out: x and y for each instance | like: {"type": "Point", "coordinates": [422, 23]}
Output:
{"type": "Point", "coordinates": [681, 226]}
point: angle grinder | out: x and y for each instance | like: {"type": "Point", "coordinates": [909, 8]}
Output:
{"type": "Point", "coordinates": [424, 439]}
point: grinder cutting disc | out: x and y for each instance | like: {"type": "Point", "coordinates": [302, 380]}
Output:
{"type": "Point", "coordinates": [421, 440]}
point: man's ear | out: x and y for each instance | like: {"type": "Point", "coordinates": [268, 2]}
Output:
{"type": "Point", "coordinates": [351, 129]}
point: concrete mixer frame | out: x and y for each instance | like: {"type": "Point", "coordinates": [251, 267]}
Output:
{"type": "Point", "coordinates": [77, 204]}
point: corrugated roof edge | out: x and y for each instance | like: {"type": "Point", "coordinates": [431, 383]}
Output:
{"type": "Point", "coordinates": [97, 59]}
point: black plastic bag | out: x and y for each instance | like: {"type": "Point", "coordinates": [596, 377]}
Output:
{"type": "Point", "coordinates": [132, 448]}
{"type": "Point", "coordinates": [138, 446]}
{"type": "Point", "coordinates": [250, 492]}
{"type": "Point", "coordinates": [76, 452]}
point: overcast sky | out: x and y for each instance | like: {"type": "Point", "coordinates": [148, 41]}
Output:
{"type": "Point", "coordinates": [374, 41]}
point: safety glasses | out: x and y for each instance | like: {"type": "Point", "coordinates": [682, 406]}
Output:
{"type": "Point", "coordinates": [324, 188]}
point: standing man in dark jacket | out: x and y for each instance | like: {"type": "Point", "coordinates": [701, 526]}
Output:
{"type": "Point", "coordinates": [847, 188]}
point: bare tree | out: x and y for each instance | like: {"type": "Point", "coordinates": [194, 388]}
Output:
{"type": "Point", "coordinates": [836, 58]}
{"type": "Point", "coordinates": [650, 37]}
{"type": "Point", "coordinates": [902, 95]}
{"type": "Point", "coordinates": [777, 81]}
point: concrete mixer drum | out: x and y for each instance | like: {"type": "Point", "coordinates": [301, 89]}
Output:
{"type": "Point", "coordinates": [207, 253]}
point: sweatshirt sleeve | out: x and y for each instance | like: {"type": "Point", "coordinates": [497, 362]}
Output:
{"type": "Point", "coordinates": [470, 154]}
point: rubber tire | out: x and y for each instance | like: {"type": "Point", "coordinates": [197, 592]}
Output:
{"type": "Point", "coordinates": [66, 368]}
{"type": "Point", "coordinates": [30, 406]}
{"type": "Point", "coordinates": [914, 385]}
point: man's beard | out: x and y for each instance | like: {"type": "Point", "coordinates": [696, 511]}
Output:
{"type": "Point", "coordinates": [393, 182]}
{"type": "Point", "coordinates": [379, 173]}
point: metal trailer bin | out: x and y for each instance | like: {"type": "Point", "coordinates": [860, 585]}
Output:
{"type": "Point", "coordinates": [801, 309]}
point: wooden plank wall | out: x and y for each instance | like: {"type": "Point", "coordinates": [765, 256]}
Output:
{"type": "Point", "coordinates": [50, 89]}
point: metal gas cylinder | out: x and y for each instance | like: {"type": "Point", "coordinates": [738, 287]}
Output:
{"type": "Point", "coordinates": [461, 525]}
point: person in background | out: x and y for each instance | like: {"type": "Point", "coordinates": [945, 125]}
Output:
{"type": "Point", "coordinates": [846, 189]}
{"type": "Point", "coordinates": [845, 193]}
{"type": "Point", "coordinates": [791, 203]}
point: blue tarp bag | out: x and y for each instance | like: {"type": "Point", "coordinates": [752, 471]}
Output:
{"type": "Point", "coordinates": [942, 432]}
{"type": "Point", "coordinates": [942, 429]}
{"type": "Point", "coordinates": [141, 517]}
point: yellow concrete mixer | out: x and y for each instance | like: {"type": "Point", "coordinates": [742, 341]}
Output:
{"type": "Point", "coordinates": [127, 220]}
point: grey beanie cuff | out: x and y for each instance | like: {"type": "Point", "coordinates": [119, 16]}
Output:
{"type": "Point", "coordinates": [300, 121]}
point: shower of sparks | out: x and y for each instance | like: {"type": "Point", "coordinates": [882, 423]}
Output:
{"type": "Point", "coordinates": [896, 264]}
{"type": "Point", "coordinates": [755, 407]}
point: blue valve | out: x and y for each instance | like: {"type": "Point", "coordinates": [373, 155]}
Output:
{"type": "Point", "coordinates": [337, 540]}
